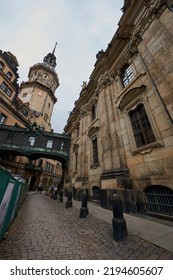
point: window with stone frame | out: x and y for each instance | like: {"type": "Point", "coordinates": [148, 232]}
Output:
{"type": "Point", "coordinates": [76, 160]}
{"type": "Point", "coordinates": [49, 144]}
{"type": "Point", "coordinates": [141, 126]}
{"type": "Point", "coordinates": [75, 150]}
{"type": "Point", "coordinates": [126, 75]}
{"type": "Point", "coordinates": [142, 131]}
{"type": "Point", "coordinates": [95, 151]}
{"type": "Point", "coordinates": [93, 134]}
{"type": "Point", "coordinates": [93, 113]}
{"type": "Point", "coordinates": [31, 140]}
{"type": "Point", "coordinates": [2, 118]}
{"type": "Point", "coordinates": [1, 65]}
{"type": "Point", "coordinates": [77, 132]}
{"type": "Point", "coordinates": [6, 89]}
{"type": "Point", "coordinates": [9, 75]}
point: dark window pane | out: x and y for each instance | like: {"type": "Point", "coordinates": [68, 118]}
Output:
{"type": "Point", "coordinates": [93, 113]}
{"type": "Point", "coordinates": [126, 75]}
{"type": "Point", "coordinates": [95, 151]}
{"type": "Point", "coordinates": [142, 130]}
{"type": "Point", "coordinates": [2, 118]}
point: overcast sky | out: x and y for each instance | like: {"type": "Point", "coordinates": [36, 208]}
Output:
{"type": "Point", "coordinates": [30, 28]}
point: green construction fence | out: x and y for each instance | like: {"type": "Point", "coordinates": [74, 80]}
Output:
{"type": "Point", "coordinates": [12, 194]}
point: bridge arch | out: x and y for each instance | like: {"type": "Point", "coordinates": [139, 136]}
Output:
{"type": "Point", "coordinates": [34, 144]}
{"type": "Point", "coordinates": [50, 145]}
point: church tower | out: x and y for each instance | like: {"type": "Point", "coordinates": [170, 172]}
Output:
{"type": "Point", "coordinates": [38, 93]}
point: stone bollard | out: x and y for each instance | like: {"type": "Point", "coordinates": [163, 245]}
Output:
{"type": "Point", "coordinates": [118, 221]}
{"type": "Point", "coordinates": [84, 209]}
{"type": "Point", "coordinates": [69, 199]}
{"type": "Point", "coordinates": [61, 195]}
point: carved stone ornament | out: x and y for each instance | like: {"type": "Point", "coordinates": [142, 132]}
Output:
{"type": "Point", "coordinates": [34, 128]}
{"type": "Point", "coordinates": [83, 112]}
{"type": "Point", "coordinates": [153, 10]}
{"type": "Point", "coordinates": [104, 81]}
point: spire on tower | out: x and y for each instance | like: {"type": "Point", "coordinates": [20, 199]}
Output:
{"type": "Point", "coordinates": [50, 58]}
{"type": "Point", "coordinates": [54, 48]}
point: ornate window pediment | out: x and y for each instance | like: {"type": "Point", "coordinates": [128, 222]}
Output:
{"type": "Point", "coordinates": [130, 96]}
{"type": "Point", "coordinates": [75, 147]}
{"type": "Point", "coordinates": [141, 128]}
{"type": "Point", "coordinates": [93, 131]}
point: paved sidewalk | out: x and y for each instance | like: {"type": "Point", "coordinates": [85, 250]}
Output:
{"type": "Point", "coordinates": [154, 230]}
{"type": "Point", "coordinates": [44, 229]}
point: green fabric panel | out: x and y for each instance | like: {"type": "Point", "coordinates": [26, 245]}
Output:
{"type": "Point", "coordinates": [12, 194]}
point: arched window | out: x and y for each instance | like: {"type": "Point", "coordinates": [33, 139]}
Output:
{"type": "Point", "coordinates": [49, 144]}
{"type": "Point", "coordinates": [62, 145]}
{"type": "Point", "coordinates": [96, 193]}
{"type": "Point", "coordinates": [126, 75]}
{"type": "Point", "coordinates": [31, 140]}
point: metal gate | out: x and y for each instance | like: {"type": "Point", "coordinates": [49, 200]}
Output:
{"type": "Point", "coordinates": [160, 200]}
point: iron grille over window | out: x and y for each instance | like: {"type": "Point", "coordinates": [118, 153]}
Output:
{"type": "Point", "coordinates": [142, 130]}
{"type": "Point", "coordinates": [126, 75]}
{"type": "Point", "coordinates": [95, 151]}
{"type": "Point", "coordinates": [160, 200]}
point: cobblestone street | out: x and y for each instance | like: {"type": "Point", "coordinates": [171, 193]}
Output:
{"type": "Point", "coordinates": [44, 229]}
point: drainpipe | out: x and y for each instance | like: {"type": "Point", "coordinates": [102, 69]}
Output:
{"type": "Point", "coordinates": [155, 86]}
{"type": "Point", "coordinates": [148, 72]}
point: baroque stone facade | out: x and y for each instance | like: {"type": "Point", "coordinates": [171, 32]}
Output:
{"type": "Point", "coordinates": [121, 125]}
